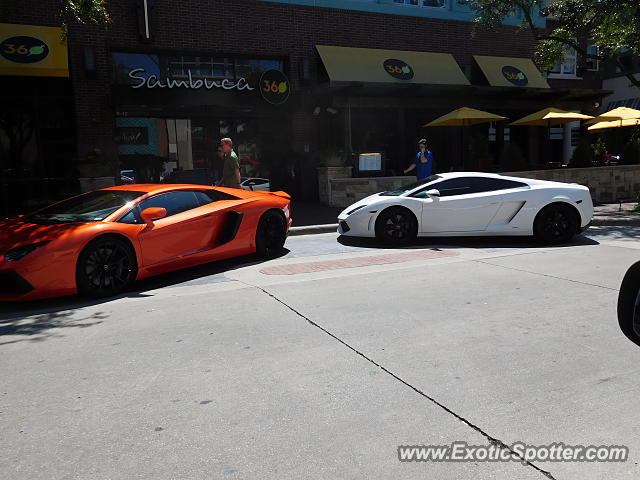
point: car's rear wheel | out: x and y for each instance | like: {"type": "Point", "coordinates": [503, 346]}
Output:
{"type": "Point", "coordinates": [556, 223]}
{"type": "Point", "coordinates": [270, 234]}
{"type": "Point", "coordinates": [396, 226]}
{"type": "Point", "coordinates": [105, 267]}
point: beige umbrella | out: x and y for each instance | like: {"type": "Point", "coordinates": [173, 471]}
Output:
{"type": "Point", "coordinates": [617, 114]}
{"type": "Point", "coordinates": [551, 117]}
{"type": "Point", "coordinates": [615, 124]}
{"type": "Point", "coordinates": [463, 117]}
{"type": "Point", "coordinates": [616, 118]}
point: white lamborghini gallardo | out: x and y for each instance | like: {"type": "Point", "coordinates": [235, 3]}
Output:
{"type": "Point", "coordinates": [466, 203]}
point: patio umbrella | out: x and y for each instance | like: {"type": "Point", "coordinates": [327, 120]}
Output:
{"type": "Point", "coordinates": [617, 114]}
{"type": "Point", "coordinates": [550, 117]}
{"type": "Point", "coordinates": [618, 117]}
{"type": "Point", "coordinates": [463, 117]}
{"type": "Point", "coordinates": [615, 124]}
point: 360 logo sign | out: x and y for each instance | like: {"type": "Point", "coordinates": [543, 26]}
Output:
{"type": "Point", "coordinates": [24, 49]}
{"type": "Point", "coordinates": [515, 75]}
{"type": "Point", "coordinates": [275, 87]}
{"type": "Point", "coordinates": [398, 69]}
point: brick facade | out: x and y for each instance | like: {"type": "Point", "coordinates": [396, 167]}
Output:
{"type": "Point", "coordinates": [247, 27]}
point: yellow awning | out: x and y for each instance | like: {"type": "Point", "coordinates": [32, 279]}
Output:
{"type": "Point", "coordinates": [511, 72]}
{"type": "Point", "coordinates": [32, 50]}
{"type": "Point", "coordinates": [345, 64]}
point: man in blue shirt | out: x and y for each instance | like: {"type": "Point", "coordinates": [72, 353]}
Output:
{"type": "Point", "coordinates": [423, 161]}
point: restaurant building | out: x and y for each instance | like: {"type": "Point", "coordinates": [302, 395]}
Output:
{"type": "Point", "coordinates": [296, 84]}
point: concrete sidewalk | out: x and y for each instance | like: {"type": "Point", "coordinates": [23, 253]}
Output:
{"type": "Point", "coordinates": [309, 218]}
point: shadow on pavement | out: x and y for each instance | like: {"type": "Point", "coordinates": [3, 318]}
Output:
{"type": "Point", "coordinates": [58, 312]}
{"type": "Point", "coordinates": [40, 327]}
{"type": "Point", "coordinates": [465, 242]}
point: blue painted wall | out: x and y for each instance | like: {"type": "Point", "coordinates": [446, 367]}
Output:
{"type": "Point", "coordinates": [453, 10]}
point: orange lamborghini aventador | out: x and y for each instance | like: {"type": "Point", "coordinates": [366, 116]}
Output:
{"type": "Point", "coordinates": [98, 243]}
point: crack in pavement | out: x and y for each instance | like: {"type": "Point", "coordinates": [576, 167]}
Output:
{"type": "Point", "coordinates": [492, 440]}
{"type": "Point", "coordinates": [545, 275]}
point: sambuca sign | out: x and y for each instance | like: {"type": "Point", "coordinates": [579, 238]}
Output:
{"type": "Point", "coordinates": [152, 81]}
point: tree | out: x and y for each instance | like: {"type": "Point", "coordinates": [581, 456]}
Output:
{"type": "Point", "coordinates": [611, 25]}
{"type": "Point", "coordinates": [82, 12]}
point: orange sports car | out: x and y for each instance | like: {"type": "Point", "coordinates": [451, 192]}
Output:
{"type": "Point", "coordinates": [99, 242]}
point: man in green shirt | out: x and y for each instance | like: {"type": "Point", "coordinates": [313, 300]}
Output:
{"type": "Point", "coordinates": [231, 167]}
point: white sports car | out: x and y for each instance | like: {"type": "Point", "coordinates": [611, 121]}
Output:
{"type": "Point", "coordinates": [465, 203]}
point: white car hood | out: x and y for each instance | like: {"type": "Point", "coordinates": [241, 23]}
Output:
{"type": "Point", "coordinates": [371, 199]}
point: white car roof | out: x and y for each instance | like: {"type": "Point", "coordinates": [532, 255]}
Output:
{"type": "Point", "coordinates": [528, 181]}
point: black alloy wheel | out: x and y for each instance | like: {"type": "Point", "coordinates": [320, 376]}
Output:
{"type": "Point", "coordinates": [105, 267]}
{"type": "Point", "coordinates": [396, 226]}
{"type": "Point", "coordinates": [271, 234]}
{"type": "Point", "coordinates": [556, 224]}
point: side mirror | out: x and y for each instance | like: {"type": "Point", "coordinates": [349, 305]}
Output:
{"type": "Point", "coordinates": [629, 304]}
{"type": "Point", "coordinates": [433, 193]}
{"type": "Point", "coordinates": [149, 215]}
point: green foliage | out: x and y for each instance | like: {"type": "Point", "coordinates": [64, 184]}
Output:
{"type": "Point", "coordinates": [582, 155]}
{"type": "Point", "coordinates": [612, 25]}
{"type": "Point", "coordinates": [599, 148]}
{"type": "Point", "coordinates": [83, 12]}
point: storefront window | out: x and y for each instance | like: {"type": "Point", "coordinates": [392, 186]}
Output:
{"type": "Point", "coordinates": [155, 148]}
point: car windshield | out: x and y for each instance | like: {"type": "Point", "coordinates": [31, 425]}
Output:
{"type": "Point", "coordinates": [411, 186]}
{"type": "Point", "coordinates": [89, 207]}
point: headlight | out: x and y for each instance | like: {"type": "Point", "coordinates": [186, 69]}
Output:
{"type": "Point", "coordinates": [356, 209]}
{"type": "Point", "coordinates": [16, 254]}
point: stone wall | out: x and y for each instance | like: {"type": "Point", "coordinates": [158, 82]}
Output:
{"type": "Point", "coordinates": [607, 184]}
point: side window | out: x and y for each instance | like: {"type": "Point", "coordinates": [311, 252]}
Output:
{"type": "Point", "coordinates": [205, 199]}
{"type": "Point", "coordinates": [483, 184]}
{"type": "Point", "coordinates": [174, 202]}
{"type": "Point", "coordinates": [132, 216]}
{"type": "Point", "coordinates": [455, 186]}
{"type": "Point", "coordinates": [207, 196]}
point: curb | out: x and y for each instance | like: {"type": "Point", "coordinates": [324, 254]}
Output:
{"type": "Point", "coordinates": [313, 229]}
{"type": "Point", "coordinates": [616, 222]}
{"type": "Point", "coordinates": [596, 222]}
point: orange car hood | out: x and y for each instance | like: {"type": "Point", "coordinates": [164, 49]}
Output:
{"type": "Point", "coordinates": [14, 233]}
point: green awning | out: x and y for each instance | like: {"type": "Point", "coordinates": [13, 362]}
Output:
{"type": "Point", "coordinates": [369, 65]}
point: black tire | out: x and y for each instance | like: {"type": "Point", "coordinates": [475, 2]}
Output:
{"type": "Point", "coordinates": [629, 304]}
{"type": "Point", "coordinates": [396, 226]}
{"type": "Point", "coordinates": [556, 223]}
{"type": "Point", "coordinates": [270, 234]}
{"type": "Point", "coordinates": [105, 267]}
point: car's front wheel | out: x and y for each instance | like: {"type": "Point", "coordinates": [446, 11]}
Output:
{"type": "Point", "coordinates": [105, 267]}
{"type": "Point", "coordinates": [396, 226]}
{"type": "Point", "coordinates": [556, 223]}
{"type": "Point", "coordinates": [270, 234]}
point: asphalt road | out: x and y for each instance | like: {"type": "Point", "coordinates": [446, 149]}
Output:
{"type": "Point", "coordinates": [320, 363]}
